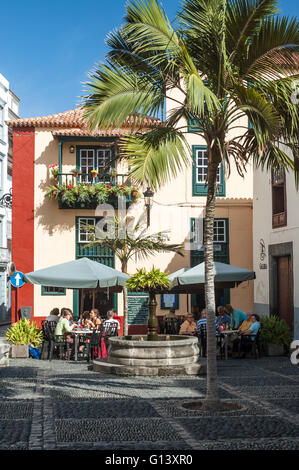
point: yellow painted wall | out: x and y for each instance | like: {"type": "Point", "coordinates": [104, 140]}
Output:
{"type": "Point", "coordinates": [172, 210]}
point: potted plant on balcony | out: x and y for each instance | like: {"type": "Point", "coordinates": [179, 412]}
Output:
{"type": "Point", "coordinates": [275, 336]}
{"type": "Point", "coordinates": [94, 173]}
{"type": "Point", "coordinates": [21, 335]}
{"type": "Point", "coordinates": [75, 172]}
{"type": "Point", "coordinates": [153, 282]}
{"type": "Point", "coordinates": [54, 168]}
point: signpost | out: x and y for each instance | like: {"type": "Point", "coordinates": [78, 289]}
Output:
{"type": "Point", "coordinates": [17, 279]}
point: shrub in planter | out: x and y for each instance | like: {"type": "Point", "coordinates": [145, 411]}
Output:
{"type": "Point", "coordinates": [21, 335]}
{"type": "Point", "coordinates": [152, 282]}
{"type": "Point", "coordinates": [275, 335]}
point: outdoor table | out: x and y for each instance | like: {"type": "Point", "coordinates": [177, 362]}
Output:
{"type": "Point", "coordinates": [77, 332]}
{"type": "Point", "coordinates": [226, 333]}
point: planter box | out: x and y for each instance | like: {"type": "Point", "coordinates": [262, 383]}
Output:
{"type": "Point", "coordinates": [19, 351]}
{"type": "Point", "coordinates": [274, 350]}
{"type": "Point", "coordinates": [113, 201]}
{"type": "Point", "coordinates": [4, 352]}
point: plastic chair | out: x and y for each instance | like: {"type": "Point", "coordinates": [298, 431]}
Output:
{"type": "Point", "coordinates": [95, 341]}
{"type": "Point", "coordinates": [251, 346]}
{"type": "Point", "coordinates": [171, 326]}
{"type": "Point", "coordinates": [57, 344]}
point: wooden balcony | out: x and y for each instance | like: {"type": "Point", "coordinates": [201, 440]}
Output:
{"type": "Point", "coordinates": [84, 191]}
{"type": "Point", "coordinates": [279, 220]}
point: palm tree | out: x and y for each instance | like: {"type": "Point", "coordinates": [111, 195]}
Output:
{"type": "Point", "coordinates": [127, 240]}
{"type": "Point", "coordinates": [227, 59]}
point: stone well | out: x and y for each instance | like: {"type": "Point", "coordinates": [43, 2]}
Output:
{"type": "Point", "coordinates": [133, 355]}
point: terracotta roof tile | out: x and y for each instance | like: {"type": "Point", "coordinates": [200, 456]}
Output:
{"type": "Point", "coordinates": [72, 119]}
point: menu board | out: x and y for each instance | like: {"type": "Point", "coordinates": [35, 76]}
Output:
{"type": "Point", "coordinates": [138, 308]}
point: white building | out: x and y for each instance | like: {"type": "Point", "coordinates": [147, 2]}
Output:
{"type": "Point", "coordinates": [276, 246]}
{"type": "Point", "coordinates": [9, 109]}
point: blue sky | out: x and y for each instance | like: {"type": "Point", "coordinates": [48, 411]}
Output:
{"type": "Point", "coordinates": [47, 48]}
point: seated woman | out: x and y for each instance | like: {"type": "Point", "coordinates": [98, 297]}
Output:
{"type": "Point", "coordinates": [64, 328]}
{"type": "Point", "coordinates": [189, 326]}
{"type": "Point", "coordinates": [94, 322]}
{"type": "Point", "coordinates": [249, 335]}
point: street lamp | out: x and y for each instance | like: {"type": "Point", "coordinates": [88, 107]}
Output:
{"type": "Point", "coordinates": [148, 194]}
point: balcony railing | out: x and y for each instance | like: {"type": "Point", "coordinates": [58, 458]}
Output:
{"type": "Point", "coordinates": [87, 178]}
{"type": "Point", "coordinates": [83, 191]}
{"type": "Point", "coordinates": [279, 220]}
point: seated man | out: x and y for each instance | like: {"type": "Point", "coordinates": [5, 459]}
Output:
{"type": "Point", "coordinates": [189, 326]}
{"type": "Point", "coordinates": [201, 329]}
{"type": "Point", "coordinates": [54, 315]}
{"type": "Point", "coordinates": [63, 326]}
{"type": "Point", "coordinates": [223, 317]}
{"type": "Point", "coordinates": [249, 335]}
{"type": "Point", "coordinates": [202, 322]}
{"type": "Point", "coordinates": [111, 322]}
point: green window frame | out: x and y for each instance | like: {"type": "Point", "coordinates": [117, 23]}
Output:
{"type": "Point", "coordinates": [55, 291]}
{"type": "Point", "coordinates": [95, 153]}
{"type": "Point", "coordinates": [199, 171]}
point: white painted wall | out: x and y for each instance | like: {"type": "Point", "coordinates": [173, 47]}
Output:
{"type": "Point", "coordinates": [262, 229]}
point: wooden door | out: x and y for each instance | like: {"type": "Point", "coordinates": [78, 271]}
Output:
{"type": "Point", "coordinates": [284, 290]}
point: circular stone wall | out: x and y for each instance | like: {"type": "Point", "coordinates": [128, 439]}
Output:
{"type": "Point", "coordinates": [133, 355]}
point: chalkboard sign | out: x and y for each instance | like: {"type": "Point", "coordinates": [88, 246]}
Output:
{"type": "Point", "coordinates": [137, 308]}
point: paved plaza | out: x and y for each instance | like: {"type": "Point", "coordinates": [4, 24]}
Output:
{"type": "Point", "coordinates": [59, 405]}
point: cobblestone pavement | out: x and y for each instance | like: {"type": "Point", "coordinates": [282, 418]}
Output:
{"type": "Point", "coordinates": [59, 405]}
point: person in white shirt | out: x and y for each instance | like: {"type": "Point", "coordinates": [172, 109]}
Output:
{"type": "Point", "coordinates": [110, 322]}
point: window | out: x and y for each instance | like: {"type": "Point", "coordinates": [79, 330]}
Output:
{"type": "Point", "coordinates": [200, 173]}
{"type": "Point", "coordinates": [86, 164]}
{"type": "Point", "coordinates": [279, 202]}
{"type": "Point", "coordinates": [103, 159]}
{"type": "Point", "coordinates": [47, 290]}
{"type": "Point", "coordinates": [84, 234]}
{"type": "Point", "coordinates": [93, 158]}
{"type": "Point", "coordinates": [219, 231]}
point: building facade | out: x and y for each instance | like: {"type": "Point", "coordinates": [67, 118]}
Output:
{"type": "Point", "coordinates": [48, 231]}
{"type": "Point", "coordinates": [9, 109]}
{"type": "Point", "coordinates": [276, 246]}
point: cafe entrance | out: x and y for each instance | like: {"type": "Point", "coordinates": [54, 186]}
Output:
{"type": "Point", "coordinates": [103, 301]}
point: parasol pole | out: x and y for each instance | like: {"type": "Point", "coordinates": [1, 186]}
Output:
{"type": "Point", "coordinates": [82, 302]}
{"type": "Point", "coordinates": [93, 298]}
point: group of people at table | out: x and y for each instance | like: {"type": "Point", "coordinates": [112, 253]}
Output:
{"type": "Point", "coordinates": [244, 325]}
{"type": "Point", "coordinates": [88, 321]}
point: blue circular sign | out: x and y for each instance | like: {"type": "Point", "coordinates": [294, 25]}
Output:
{"type": "Point", "coordinates": [17, 280]}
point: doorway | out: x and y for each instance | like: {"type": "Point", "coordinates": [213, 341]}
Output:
{"type": "Point", "coordinates": [281, 282]}
{"type": "Point", "coordinates": [284, 290]}
{"type": "Point", "coordinates": [102, 301]}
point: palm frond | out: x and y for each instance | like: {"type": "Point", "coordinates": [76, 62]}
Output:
{"type": "Point", "coordinates": [115, 94]}
{"type": "Point", "coordinates": [156, 157]}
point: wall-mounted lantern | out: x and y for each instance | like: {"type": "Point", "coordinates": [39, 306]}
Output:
{"type": "Point", "coordinates": [72, 149]}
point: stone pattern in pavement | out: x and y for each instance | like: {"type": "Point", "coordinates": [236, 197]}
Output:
{"type": "Point", "coordinates": [65, 405]}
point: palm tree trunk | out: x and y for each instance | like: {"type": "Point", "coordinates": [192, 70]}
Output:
{"type": "Point", "coordinates": [125, 302]}
{"type": "Point", "coordinates": [212, 397]}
